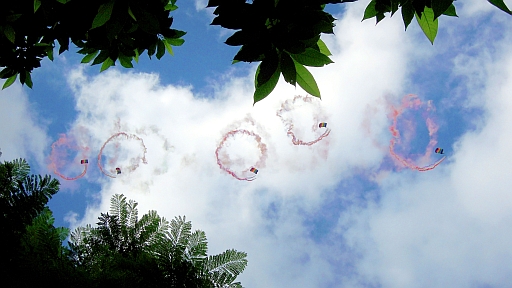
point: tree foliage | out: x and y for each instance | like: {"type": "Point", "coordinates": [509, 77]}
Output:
{"type": "Point", "coordinates": [284, 35]}
{"type": "Point", "coordinates": [30, 241]}
{"type": "Point", "coordinates": [105, 30]}
{"type": "Point", "coordinates": [122, 251]}
{"type": "Point", "coordinates": [130, 252]}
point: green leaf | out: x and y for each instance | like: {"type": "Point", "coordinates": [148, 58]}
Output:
{"type": "Point", "coordinates": [370, 11]}
{"type": "Point", "coordinates": [267, 68]}
{"type": "Point", "coordinates": [170, 7]}
{"type": "Point", "coordinates": [168, 48]}
{"type": "Point", "coordinates": [9, 33]}
{"type": "Point", "coordinates": [306, 80]}
{"type": "Point", "coordinates": [323, 48]}
{"type": "Point", "coordinates": [264, 89]}
{"type": "Point", "coordinates": [6, 71]}
{"type": "Point", "coordinates": [104, 13]}
{"type": "Point", "coordinates": [100, 58]}
{"type": "Point", "coordinates": [131, 13]}
{"type": "Point", "coordinates": [439, 6]}
{"type": "Point", "coordinates": [136, 55]}
{"type": "Point", "coordinates": [63, 1]}
{"type": "Point", "coordinates": [175, 41]}
{"type": "Point", "coordinates": [125, 61]}
{"type": "Point", "coordinates": [428, 24]}
{"type": "Point", "coordinates": [288, 68]}
{"type": "Point", "coordinates": [88, 58]}
{"type": "Point", "coordinates": [501, 5]}
{"type": "Point", "coordinates": [37, 4]}
{"type": "Point", "coordinates": [108, 62]}
{"type": "Point", "coordinates": [152, 49]}
{"type": "Point", "coordinates": [160, 51]}
{"type": "Point", "coordinates": [451, 11]}
{"type": "Point", "coordinates": [311, 57]}
{"type": "Point", "coordinates": [28, 79]}
{"type": "Point", "coordinates": [49, 53]}
{"type": "Point", "coordinates": [9, 81]}
{"type": "Point", "coordinates": [407, 13]}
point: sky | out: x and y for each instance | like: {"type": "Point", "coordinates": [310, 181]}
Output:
{"type": "Point", "coordinates": [343, 212]}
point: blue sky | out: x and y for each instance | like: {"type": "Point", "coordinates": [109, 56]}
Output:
{"type": "Point", "coordinates": [340, 213]}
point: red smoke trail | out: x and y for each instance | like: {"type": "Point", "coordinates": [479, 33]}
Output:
{"type": "Point", "coordinates": [413, 102]}
{"type": "Point", "coordinates": [56, 157]}
{"type": "Point", "coordinates": [135, 161]}
{"type": "Point", "coordinates": [288, 106]}
{"type": "Point", "coordinates": [261, 161]}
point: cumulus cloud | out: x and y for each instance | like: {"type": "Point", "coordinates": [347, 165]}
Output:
{"type": "Point", "coordinates": [444, 228]}
{"type": "Point", "coordinates": [22, 132]}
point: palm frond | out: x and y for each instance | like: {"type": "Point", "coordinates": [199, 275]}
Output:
{"type": "Point", "coordinates": [225, 267]}
{"type": "Point", "coordinates": [197, 247]}
{"type": "Point", "coordinates": [132, 213]}
{"type": "Point", "coordinates": [21, 169]}
{"type": "Point", "coordinates": [118, 208]}
{"type": "Point", "coordinates": [180, 232]}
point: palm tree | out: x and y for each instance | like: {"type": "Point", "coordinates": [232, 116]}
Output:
{"type": "Point", "coordinates": [171, 247]}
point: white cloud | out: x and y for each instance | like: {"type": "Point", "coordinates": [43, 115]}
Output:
{"type": "Point", "coordinates": [21, 132]}
{"type": "Point", "coordinates": [444, 228]}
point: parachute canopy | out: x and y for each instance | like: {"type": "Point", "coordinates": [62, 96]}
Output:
{"type": "Point", "coordinates": [118, 170]}
{"type": "Point", "coordinates": [439, 151]}
{"type": "Point", "coordinates": [84, 161]}
{"type": "Point", "coordinates": [254, 170]}
{"type": "Point", "coordinates": [323, 124]}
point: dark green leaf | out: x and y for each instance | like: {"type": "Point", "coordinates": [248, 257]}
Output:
{"type": "Point", "coordinates": [28, 79]}
{"type": "Point", "coordinates": [9, 33]}
{"type": "Point", "coordinates": [288, 68]}
{"type": "Point", "coordinates": [131, 13]}
{"type": "Point", "coordinates": [160, 51]}
{"type": "Point", "coordinates": [63, 1]}
{"type": "Point", "coordinates": [370, 11]}
{"type": "Point", "coordinates": [428, 24]}
{"type": "Point", "coordinates": [306, 80]}
{"type": "Point", "coordinates": [125, 61]}
{"type": "Point", "coordinates": [37, 4]}
{"type": "Point", "coordinates": [313, 58]}
{"type": "Point", "coordinates": [49, 53]}
{"type": "Point", "coordinates": [152, 49]}
{"type": "Point", "coordinates": [267, 68]}
{"type": "Point", "coordinates": [501, 5]}
{"type": "Point", "coordinates": [6, 72]}
{"type": "Point", "coordinates": [88, 58]}
{"type": "Point", "coordinates": [407, 13]}
{"type": "Point", "coordinates": [108, 62]}
{"type": "Point", "coordinates": [9, 81]}
{"type": "Point", "coordinates": [239, 38]}
{"type": "Point", "coordinates": [394, 6]}
{"type": "Point", "coordinates": [12, 17]}
{"type": "Point", "coordinates": [104, 13]}
{"type": "Point", "coordinates": [175, 41]}
{"type": "Point", "coordinates": [101, 58]}
{"type": "Point", "coordinates": [178, 33]}
{"type": "Point", "coordinates": [440, 6]}
{"type": "Point", "coordinates": [170, 7]}
{"type": "Point", "coordinates": [264, 89]}
{"type": "Point", "coordinates": [451, 11]}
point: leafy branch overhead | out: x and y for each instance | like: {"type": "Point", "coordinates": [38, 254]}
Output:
{"type": "Point", "coordinates": [284, 35]}
{"type": "Point", "coordinates": [105, 30]}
